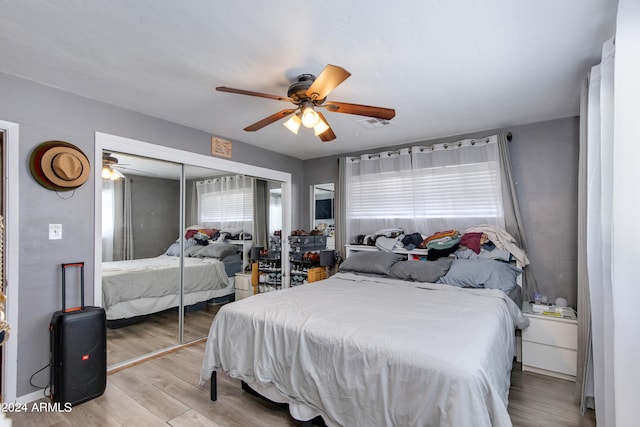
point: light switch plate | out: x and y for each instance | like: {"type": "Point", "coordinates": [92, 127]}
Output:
{"type": "Point", "coordinates": [55, 231]}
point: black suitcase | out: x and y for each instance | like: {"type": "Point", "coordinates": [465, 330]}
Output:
{"type": "Point", "coordinates": [78, 349]}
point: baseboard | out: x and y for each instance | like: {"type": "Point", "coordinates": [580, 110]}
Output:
{"type": "Point", "coordinates": [31, 397]}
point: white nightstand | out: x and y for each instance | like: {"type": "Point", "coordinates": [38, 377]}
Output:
{"type": "Point", "coordinates": [243, 286]}
{"type": "Point", "coordinates": [549, 345]}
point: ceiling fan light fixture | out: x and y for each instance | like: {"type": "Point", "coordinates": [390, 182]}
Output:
{"type": "Point", "coordinates": [320, 128]}
{"type": "Point", "coordinates": [293, 124]}
{"type": "Point", "coordinates": [309, 117]}
{"type": "Point", "coordinates": [106, 172]}
{"type": "Point", "coordinates": [110, 173]}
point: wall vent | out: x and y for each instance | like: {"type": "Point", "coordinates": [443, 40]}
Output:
{"type": "Point", "coordinates": [371, 123]}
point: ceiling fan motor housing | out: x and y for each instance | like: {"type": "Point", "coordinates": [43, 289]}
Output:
{"type": "Point", "coordinates": [298, 90]}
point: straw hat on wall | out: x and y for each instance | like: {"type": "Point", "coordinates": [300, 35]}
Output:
{"type": "Point", "coordinates": [59, 166]}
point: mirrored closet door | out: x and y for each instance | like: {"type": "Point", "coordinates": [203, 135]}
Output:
{"type": "Point", "coordinates": [140, 225]}
{"type": "Point", "coordinates": [173, 236]}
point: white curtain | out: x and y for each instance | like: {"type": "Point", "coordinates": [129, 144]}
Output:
{"type": "Point", "coordinates": [108, 219]}
{"type": "Point", "coordinates": [424, 189]}
{"type": "Point", "coordinates": [599, 192]}
{"type": "Point", "coordinates": [226, 202]}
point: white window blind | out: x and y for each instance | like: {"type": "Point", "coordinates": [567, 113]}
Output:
{"type": "Point", "coordinates": [460, 191]}
{"type": "Point", "coordinates": [226, 206]}
{"type": "Point", "coordinates": [426, 190]}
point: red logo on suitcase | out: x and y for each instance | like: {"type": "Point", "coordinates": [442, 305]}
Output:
{"type": "Point", "coordinates": [85, 357]}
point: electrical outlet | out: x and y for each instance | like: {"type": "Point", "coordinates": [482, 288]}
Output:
{"type": "Point", "coordinates": [55, 231]}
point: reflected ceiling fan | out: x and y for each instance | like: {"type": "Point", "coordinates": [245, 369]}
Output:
{"type": "Point", "coordinates": [307, 93]}
{"type": "Point", "coordinates": [112, 168]}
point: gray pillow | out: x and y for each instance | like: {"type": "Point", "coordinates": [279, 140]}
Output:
{"type": "Point", "coordinates": [372, 262]}
{"type": "Point", "coordinates": [482, 273]}
{"type": "Point", "coordinates": [421, 271]}
{"type": "Point", "coordinates": [215, 250]}
{"type": "Point", "coordinates": [174, 249]}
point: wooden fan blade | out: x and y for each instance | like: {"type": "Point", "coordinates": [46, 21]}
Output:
{"type": "Point", "coordinates": [250, 93]}
{"type": "Point", "coordinates": [328, 134]}
{"type": "Point", "coordinates": [328, 80]}
{"type": "Point", "coordinates": [268, 120]}
{"type": "Point", "coordinates": [361, 110]}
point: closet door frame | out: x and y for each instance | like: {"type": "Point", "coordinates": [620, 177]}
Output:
{"type": "Point", "coordinates": [104, 141]}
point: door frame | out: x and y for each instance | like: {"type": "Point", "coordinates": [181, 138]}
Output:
{"type": "Point", "coordinates": [11, 175]}
{"type": "Point", "coordinates": [104, 141]}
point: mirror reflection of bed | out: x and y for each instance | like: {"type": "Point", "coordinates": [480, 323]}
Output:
{"type": "Point", "coordinates": [147, 238]}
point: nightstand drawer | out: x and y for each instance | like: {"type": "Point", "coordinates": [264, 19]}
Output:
{"type": "Point", "coordinates": [549, 358]}
{"type": "Point", "coordinates": [551, 332]}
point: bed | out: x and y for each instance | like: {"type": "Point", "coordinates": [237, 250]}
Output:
{"type": "Point", "coordinates": [133, 289]}
{"type": "Point", "coordinates": [371, 346]}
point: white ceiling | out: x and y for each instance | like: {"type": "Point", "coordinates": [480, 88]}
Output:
{"type": "Point", "coordinates": [447, 67]}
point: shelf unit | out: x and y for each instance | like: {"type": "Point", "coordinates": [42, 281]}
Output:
{"type": "Point", "coordinates": [300, 267]}
{"type": "Point", "coordinates": [414, 254]}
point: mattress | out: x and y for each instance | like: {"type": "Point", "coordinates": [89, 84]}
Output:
{"type": "Point", "coordinates": [136, 287]}
{"type": "Point", "coordinates": [373, 351]}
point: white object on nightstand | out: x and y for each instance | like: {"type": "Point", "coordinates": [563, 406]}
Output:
{"type": "Point", "coordinates": [549, 344]}
{"type": "Point", "coordinates": [243, 286]}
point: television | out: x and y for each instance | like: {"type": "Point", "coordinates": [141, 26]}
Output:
{"type": "Point", "coordinates": [324, 209]}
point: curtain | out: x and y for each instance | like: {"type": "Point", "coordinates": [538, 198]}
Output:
{"type": "Point", "coordinates": [512, 219]}
{"type": "Point", "coordinates": [597, 243]}
{"type": "Point", "coordinates": [226, 203]}
{"type": "Point", "coordinates": [340, 209]}
{"type": "Point", "coordinates": [423, 189]}
{"type": "Point", "coordinates": [117, 230]}
{"type": "Point", "coordinates": [108, 219]}
{"type": "Point", "coordinates": [123, 230]}
{"type": "Point", "coordinates": [260, 206]}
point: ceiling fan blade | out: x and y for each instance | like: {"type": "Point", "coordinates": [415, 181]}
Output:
{"type": "Point", "coordinates": [328, 80]}
{"type": "Point", "coordinates": [250, 93]}
{"type": "Point", "coordinates": [361, 110]}
{"type": "Point", "coordinates": [328, 134]}
{"type": "Point", "coordinates": [268, 120]}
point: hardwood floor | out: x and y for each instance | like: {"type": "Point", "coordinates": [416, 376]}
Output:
{"type": "Point", "coordinates": [165, 391]}
{"type": "Point", "coordinates": [158, 331]}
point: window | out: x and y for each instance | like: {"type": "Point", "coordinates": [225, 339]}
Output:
{"type": "Point", "coordinates": [424, 189]}
{"type": "Point", "coordinates": [226, 202]}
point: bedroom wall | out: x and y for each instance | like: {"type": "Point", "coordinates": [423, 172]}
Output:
{"type": "Point", "coordinates": [44, 113]}
{"type": "Point", "coordinates": [544, 158]}
{"type": "Point", "coordinates": [154, 207]}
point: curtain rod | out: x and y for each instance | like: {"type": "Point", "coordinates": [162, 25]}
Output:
{"type": "Point", "coordinates": [509, 138]}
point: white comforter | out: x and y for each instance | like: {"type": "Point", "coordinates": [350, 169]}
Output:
{"type": "Point", "coordinates": [373, 352]}
{"type": "Point", "coordinates": [157, 277]}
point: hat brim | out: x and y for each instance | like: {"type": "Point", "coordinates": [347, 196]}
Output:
{"type": "Point", "coordinates": [41, 165]}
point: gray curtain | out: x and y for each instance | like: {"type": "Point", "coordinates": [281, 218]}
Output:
{"type": "Point", "coordinates": [122, 227]}
{"type": "Point", "coordinates": [260, 210]}
{"type": "Point", "coordinates": [340, 209]}
{"type": "Point", "coordinates": [512, 218]}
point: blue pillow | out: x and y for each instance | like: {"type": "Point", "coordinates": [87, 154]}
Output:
{"type": "Point", "coordinates": [482, 273]}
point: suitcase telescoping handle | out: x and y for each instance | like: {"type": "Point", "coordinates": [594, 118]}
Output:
{"type": "Point", "coordinates": [64, 285]}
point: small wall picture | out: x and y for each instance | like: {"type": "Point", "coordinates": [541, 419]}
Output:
{"type": "Point", "coordinates": [221, 147]}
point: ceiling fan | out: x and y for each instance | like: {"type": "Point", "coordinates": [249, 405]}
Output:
{"type": "Point", "coordinates": [307, 93]}
{"type": "Point", "coordinates": [110, 167]}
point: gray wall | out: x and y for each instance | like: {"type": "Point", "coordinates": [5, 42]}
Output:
{"type": "Point", "coordinates": [155, 215]}
{"type": "Point", "coordinates": [545, 166]}
{"type": "Point", "coordinates": [44, 114]}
